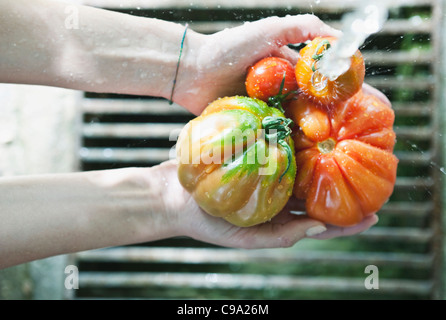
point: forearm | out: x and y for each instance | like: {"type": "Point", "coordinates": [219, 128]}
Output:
{"type": "Point", "coordinates": [105, 52]}
{"type": "Point", "coordinates": [47, 215]}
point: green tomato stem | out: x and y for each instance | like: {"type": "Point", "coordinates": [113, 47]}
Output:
{"type": "Point", "coordinates": [282, 129]}
{"type": "Point", "coordinates": [318, 56]}
{"type": "Point", "coordinates": [276, 101]}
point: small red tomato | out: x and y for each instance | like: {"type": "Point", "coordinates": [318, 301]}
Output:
{"type": "Point", "coordinates": [266, 78]}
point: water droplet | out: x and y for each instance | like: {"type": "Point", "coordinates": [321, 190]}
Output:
{"type": "Point", "coordinates": [319, 81]}
{"type": "Point", "coordinates": [416, 20]}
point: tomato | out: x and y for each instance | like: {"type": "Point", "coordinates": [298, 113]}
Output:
{"type": "Point", "coordinates": [237, 160]}
{"type": "Point", "coordinates": [266, 78]}
{"type": "Point", "coordinates": [319, 88]}
{"type": "Point", "coordinates": [346, 168]}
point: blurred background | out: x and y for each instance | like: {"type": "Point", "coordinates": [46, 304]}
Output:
{"type": "Point", "coordinates": [46, 130]}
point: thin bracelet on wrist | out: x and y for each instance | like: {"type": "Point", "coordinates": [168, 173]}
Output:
{"type": "Point", "coordinates": [178, 64]}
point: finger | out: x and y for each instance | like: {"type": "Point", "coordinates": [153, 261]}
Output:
{"type": "Point", "coordinates": [278, 235]}
{"type": "Point", "coordinates": [287, 54]}
{"type": "Point", "coordinates": [334, 231]}
{"type": "Point", "coordinates": [296, 29]}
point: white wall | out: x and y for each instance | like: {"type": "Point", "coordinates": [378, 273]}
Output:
{"type": "Point", "coordinates": [38, 131]}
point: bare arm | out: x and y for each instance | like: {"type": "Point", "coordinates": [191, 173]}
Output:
{"type": "Point", "coordinates": [47, 215]}
{"type": "Point", "coordinates": [105, 52]}
{"type": "Point", "coordinates": [119, 53]}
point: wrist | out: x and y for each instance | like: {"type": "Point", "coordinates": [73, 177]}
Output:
{"type": "Point", "coordinates": [175, 200]}
{"type": "Point", "coordinates": [192, 66]}
{"type": "Point", "coordinates": [121, 207]}
{"type": "Point", "coordinates": [145, 204]}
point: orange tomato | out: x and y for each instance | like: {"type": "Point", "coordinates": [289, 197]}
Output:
{"type": "Point", "coordinates": [345, 166]}
{"type": "Point", "coordinates": [316, 86]}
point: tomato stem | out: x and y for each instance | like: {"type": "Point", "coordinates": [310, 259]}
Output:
{"type": "Point", "coordinates": [318, 56]}
{"type": "Point", "coordinates": [276, 101]}
{"type": "Point", "coordinates": [326, 146]}
{"type": "Point", "coordinates": [278, 129]}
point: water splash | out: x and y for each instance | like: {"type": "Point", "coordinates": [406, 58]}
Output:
{"type": "Point", "coordinates": [438, 167]}
{"type": "Point", "coordinates": [366, 19]}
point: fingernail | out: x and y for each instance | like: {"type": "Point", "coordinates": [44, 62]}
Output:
{"type": "Point", "coordinates": [315, 231]}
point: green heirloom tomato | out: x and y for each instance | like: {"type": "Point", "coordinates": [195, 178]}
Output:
{"type": "Point", "coordinates": [237, 160]}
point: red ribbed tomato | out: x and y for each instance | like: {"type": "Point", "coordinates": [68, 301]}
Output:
{"type": "Point", "coordinates": [346, 169]}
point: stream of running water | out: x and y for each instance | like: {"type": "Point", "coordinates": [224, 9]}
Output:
{"type": "Point", "coordinates": [367, 18]}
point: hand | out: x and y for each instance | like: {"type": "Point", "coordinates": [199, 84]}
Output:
{"type": "Point", "coordinates": [284, 230]}
{"type": "Point", "coordinates": [215, 66]}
